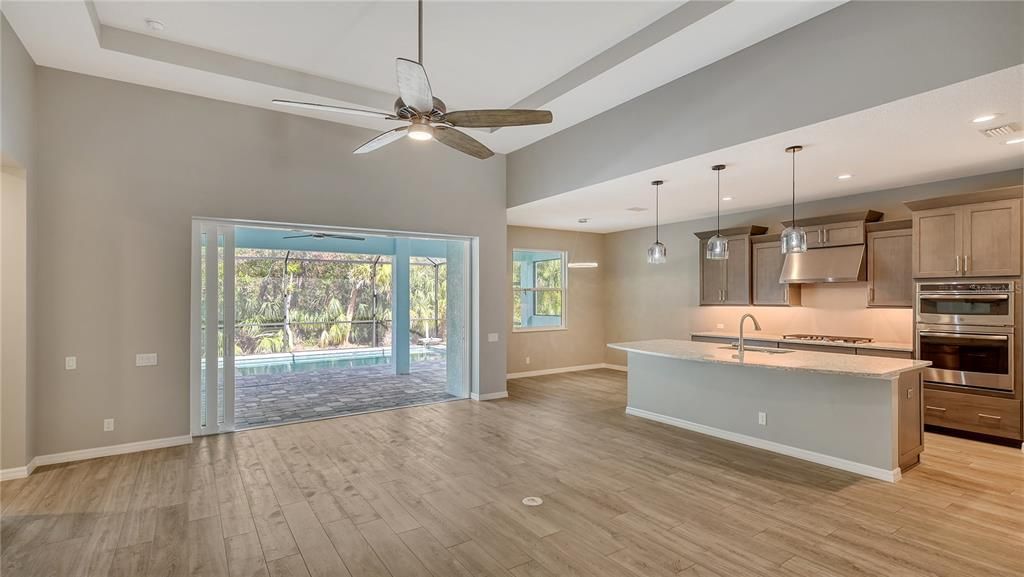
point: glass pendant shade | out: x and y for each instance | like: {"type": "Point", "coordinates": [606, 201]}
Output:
{"type": "Point", "coordinates": [794, 240]}
{"type": "Point", "coordinates": [656, 253]}
{"type": "Point", "coordinates": [717, 248]}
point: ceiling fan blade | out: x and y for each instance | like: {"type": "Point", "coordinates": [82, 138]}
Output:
{"type": "Point", "coordinates": [343, 236]}
{"type": "Point", "coordinates": [382, 139]}
{"type": "Point", "coordinates": [497, 118]}
{"type": "Point", "coordinates": [329, 108]}
{"type": "Point", "coordinates": [462, 142]}
{"type": "Point", "coordinates": [413, 86]}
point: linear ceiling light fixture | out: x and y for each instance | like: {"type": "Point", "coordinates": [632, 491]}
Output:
{"type": "Point", "coordinates": [794, 238]}
{"type": "Point", "coordinates": [657, 253]}
{"type": "Point", "coordinates": [718, 245]}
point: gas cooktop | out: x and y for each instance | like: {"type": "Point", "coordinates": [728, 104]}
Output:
{"type": "Point", "coordinates": [827, 338]}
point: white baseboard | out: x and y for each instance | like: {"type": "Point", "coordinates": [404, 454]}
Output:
{"type": "Point", "coordinates": [489, 396]}
{"type": "Point", "coordinates": [827, 460]}
{"type": "Point", "coordinates": [110, 450]}
{"type": "Point", "coordinates": [17, 472]}
{"type": "Point", "coordinates": [558, 370]}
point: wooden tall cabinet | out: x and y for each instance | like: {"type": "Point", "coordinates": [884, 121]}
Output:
{"type": "Point", "coordinates": [976, 235]}
{"type": "Point", "coordinates": [889, 253]}
{"type": "Point", "coordinates": [727, 282]}
{"type": "Point", "coordinates": [767, 268]}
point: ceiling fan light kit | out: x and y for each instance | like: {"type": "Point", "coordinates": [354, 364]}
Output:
{"type": "Point", "coordinates": [427, 115]}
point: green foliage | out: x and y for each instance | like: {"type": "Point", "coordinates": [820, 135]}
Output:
{"type": "Point", "coordinates": [330, 300]}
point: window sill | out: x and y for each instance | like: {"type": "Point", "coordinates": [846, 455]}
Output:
{"type": "Point", "coordinates": [539, 329]}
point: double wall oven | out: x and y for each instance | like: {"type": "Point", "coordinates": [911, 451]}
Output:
{"type": "Point", "coordinates": [968, 330]}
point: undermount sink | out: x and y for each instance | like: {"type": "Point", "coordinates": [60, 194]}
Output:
{"type": "Point", "coordinates": [765, 350]}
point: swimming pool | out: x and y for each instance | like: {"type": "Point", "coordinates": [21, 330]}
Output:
{"type": "Point", "coordinates": [339, 360]}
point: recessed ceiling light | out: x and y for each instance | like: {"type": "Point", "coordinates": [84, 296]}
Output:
{"type": "Point", "coordinates": [154, 25]}
{"type": "Point", "coordinates": [1015, 141]}
{"type": "Point", "coordinates": [984, 118]}
{"type": "Point", "coordinates": [845, 176]}
{"type": "Point", "coordinates": [726, 198]}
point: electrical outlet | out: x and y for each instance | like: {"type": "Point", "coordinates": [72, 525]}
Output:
{"type": "Point", "coordinates": [492, 337]}
{"type": "Point", "coordinates": [720, 326]}
{"type": "Point", "coordinates": [70, 363]}
{"type": "Point", "coordinates": [762, 418]}
{"type": "Point", "coordinates": [108, 424]}
{"type": "Point", "coordinates": [527, 360]}
{"type": "Point", "coordinates": [145, 360]}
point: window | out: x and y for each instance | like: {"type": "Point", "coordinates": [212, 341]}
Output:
{"type": "Point", "coordinates": [538, 290]}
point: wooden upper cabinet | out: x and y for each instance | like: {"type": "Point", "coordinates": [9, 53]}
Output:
{"type": "Point", "coordinates": [836, 229]}
{"type": "Point", "coordinates": [991, 244]}
{"type": "Point", "coordinates": [727, 282]}
{"type": "Point", "coordinates": [737, 271]}
{"type": "Point", "coordinates": [842, 233]}
{"type": "Point", "coordinates": [955, 237]}
{"type": "Point", "coordinates": [712, 278]}
{"type": "Point", "coordinates": [767, 266]}
{"type": "Point", "coordinates": [938, 242]}
{"type": "Point", "coordinates": [890, 250]}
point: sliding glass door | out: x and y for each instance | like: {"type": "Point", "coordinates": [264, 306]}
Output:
{"type": "Point", "coordinates": [213, 334]}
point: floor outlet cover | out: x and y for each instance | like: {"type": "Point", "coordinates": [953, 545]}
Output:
{"type": "Point", "coordinates": [532, 501]}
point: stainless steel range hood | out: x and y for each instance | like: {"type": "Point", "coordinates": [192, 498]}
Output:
{"type": "Point", "coordinates": [825, 265]}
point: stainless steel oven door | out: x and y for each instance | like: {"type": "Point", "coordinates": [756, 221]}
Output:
{"type": "Point", "coordinates": [987, 309]}
{"type": "Point", "coordinates": [977, 357]}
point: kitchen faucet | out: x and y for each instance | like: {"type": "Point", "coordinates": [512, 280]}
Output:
{"type": "Point", "coordinates": [757, 327]}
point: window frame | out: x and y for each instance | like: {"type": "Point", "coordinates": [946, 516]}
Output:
{"type": "Point", "coordinates": [563, 289]}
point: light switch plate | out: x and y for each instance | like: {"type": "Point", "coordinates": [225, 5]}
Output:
{"type": "Point", "coordinates": [762, 418]}
{"type": "Point", "coordinates": [108, 424]}
{"type": "Point", "coordinates": [492, 337]}
{"type": "Point", "coordinates": [70, 363]}
{"type": "Point", "coordinates": [145, 360]}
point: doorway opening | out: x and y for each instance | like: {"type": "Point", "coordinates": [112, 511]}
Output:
{"type": "Point", "coordinates": [295, 323]}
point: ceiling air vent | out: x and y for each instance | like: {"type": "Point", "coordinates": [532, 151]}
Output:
{"type": "Point", "coordinates": [1004, 130]}
{"type": "Point", "coordinates": [636, 209]}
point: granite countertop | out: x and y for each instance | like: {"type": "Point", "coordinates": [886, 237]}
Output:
{"type": "Point", "coordinates": [763, 336]}
{"type": "Point", "coordinates": [805, 361]}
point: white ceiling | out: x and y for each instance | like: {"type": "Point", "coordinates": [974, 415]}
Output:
{"type": "Point", "coordinates": [924, 138]}
{"type": "Point", "coordinates": [478, 53]}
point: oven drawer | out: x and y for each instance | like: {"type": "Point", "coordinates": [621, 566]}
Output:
{"type": "Point", "coordinates": [976, 413]}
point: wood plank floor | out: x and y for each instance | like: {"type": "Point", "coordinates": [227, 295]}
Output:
{"type": "Point", "coordinates": [436, 491]}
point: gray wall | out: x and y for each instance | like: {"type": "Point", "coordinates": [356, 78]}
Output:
{"type": "Point", "coordinates": [665, 298]}
{"type": "Point", "coordinates": [123, 168]}
{"type": "Point", "coordinates": [582, 342]}
{"type": "Point", "coordinates": [17, 93]}
{"type": "Point", "coordinates": [854, 57]}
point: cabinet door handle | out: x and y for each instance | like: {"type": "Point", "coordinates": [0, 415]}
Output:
{"type": "Point", "coordinates": [931, 408]}
{"type": "Point", "coordinates": [993, 417]}
{"type": "Point", "coordinates": [819, 236]}
{"type": "Point", "coordinates": [957, 264]}
{"type": "Point", "coordinates": [826, 236]}
{"type": "Point", "coordinates": [910, 393]}
{"type": "Point", "coordinates": [967, 265]}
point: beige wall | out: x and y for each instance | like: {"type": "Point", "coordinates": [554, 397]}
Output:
{"type": "Point", "coordinates": [122, 169]}
{"type": "Point", "coordinates": [663, 300]}
{"type": "Point", "coordinates": [17, 93]}
{"type": "Point", "coordinates": [582, 342]}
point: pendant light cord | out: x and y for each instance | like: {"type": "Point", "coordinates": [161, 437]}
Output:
{"type": "Point", "coordinates": [718, 191]}
{"type": "Point", "coordinates": [794, 188]}
{"type": "Point", "coordinates": [657, 218]}
{"type": "Point", "coordinates": [420, 37]}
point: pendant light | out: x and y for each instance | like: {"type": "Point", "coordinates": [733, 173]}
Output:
{"type": "Point", "coordinates": [718, 246]}
{"type": "Point", "coordinates": [794, 239]}
{"type": "Point", "coordinates": [656, 253]}
{"type": "Point", "coordinates": [573, 262]}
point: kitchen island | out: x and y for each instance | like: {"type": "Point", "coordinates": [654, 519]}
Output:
{"type": "Point", "coordinates": [856, 413]}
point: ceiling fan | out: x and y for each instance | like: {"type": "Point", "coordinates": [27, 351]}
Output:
{"type": "Point", "coordinates": [427, 115]}
{"type": "Point", "coordinates": [319, 235]}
